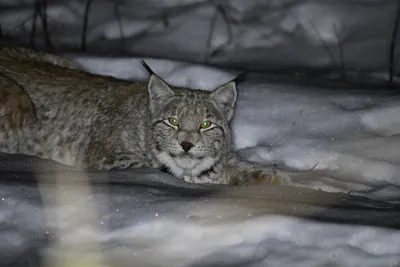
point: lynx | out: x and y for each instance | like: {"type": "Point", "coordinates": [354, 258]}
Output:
{"type": "Point", "coordinates": [52, 110]}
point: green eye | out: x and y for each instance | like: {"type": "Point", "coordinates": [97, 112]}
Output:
{"type": "Point", "coordinates": [205, 124]}
{"type": "Point", "coordinates": [173, 121]}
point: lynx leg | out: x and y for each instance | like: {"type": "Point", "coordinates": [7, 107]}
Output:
{"type": "Point", "coordinates": [115, 161]}
{"type": "Point", "coordinates": [241, 171]}
{"type": "Point", "coordinates": [17, 113]}
{"type": "Point", "coordinates": [269, 176]}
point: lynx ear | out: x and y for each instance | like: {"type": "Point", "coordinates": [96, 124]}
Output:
{"type": "Point", "coordinates": [159, 90]}
{"type": "Point", "coordinates": [225, 98]}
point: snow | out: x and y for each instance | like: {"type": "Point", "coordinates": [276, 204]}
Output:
{"type": "Point", "coordinates": [339, 141]}
{"type": "Point", "coordinates": [256, 35]}
{"type": "Point", "coordinates": [165, 224]}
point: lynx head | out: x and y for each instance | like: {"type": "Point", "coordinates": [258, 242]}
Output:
{"type": "Point", "coordinates": [191, 127]}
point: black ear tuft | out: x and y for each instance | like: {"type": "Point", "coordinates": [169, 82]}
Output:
{"type": "Point", "coordinates": [147, 67]}
{"type": "Point", "coordinates": [240, 78]}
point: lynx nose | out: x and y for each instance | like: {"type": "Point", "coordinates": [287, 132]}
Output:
{"type": "Point", "coordinates": [186, 146]}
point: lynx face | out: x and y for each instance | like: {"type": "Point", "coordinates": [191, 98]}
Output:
{"type": "Point", "coordinates": [191, 127]}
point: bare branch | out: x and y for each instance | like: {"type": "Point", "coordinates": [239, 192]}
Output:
{"type": "Point", "coordinates": [210, 35]}
{"type": "Point", "coordinates": [165, 20]}
{"type": "Point", "coordinates": [121, 29]}
{"type": "Point", "coordinates": [143, 33]}
{"type": "Point", "coordinates": [225, 18]}
{"type": "Point", "coordinates": [219, 10]}
{"type": "Point", "coordinates": [341, 55]}
{"type": "Point", "coordinates": [42, 9]}
{"type": "Point", "coordinates": [323, 43]}
{"type": "Point", "coordinates": [393, 44]}
{"type": "Point", "coordinates": [33, 29]}
{"type": "Point", "coordinates": [85, 24]}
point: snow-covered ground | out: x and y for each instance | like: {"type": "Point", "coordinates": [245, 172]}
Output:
{"type": "Point", "coordinates": [340, 139]}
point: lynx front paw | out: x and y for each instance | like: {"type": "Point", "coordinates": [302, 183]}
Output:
{"type": "Point", "coordinates": [120, 161]}
{"type": "Point", "coordinates": [269, 177]}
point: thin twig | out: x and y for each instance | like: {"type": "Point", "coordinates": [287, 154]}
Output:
{"type": "Point", "coordinates": [43, 14]}
{"type": "Point", "coordinates": [219, 10]}
{"type": "Point", "coordinates": [323, 43]}
{"type": "Point", "coordinates": [17, 26]}
{"type": "Point", "coordinates": [33, 29]}
{"type": "Point", "coordinates": [319, 37]}
{"type": "Point", "coordinates": [121, 29]}
{"type": "Point", "coordinates": [300, 171]}
{"type": "Point", "coordinates": [225, 18]}
{"type": "Point", "coordinates": [393, 43]}
{"type": "Point", "coordinates": [165, 20]}
{"type": "Point", "coordinates": [312, 167]}
{"type": "Point", "coordinates": [210, 35]}
{"type": "Point", "coordinates": [341, 55]}
{"type": "Point", "coordinates": [143, 33]}
{"type": "Point", "coordinates": [85, 24]}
